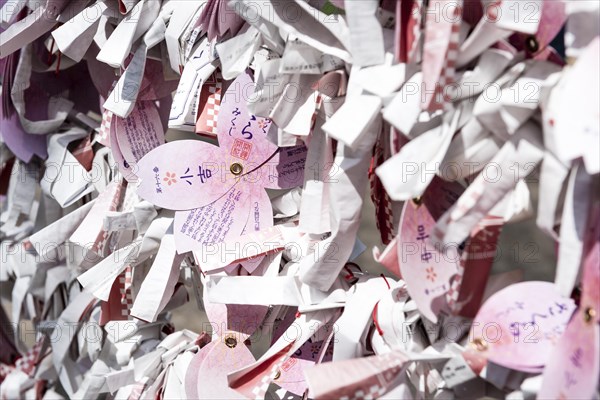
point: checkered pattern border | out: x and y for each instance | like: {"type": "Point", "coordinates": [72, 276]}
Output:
{"type": "Point", "coordinates": [103, 136]}
{"type": "Point", "coordinates": [447, 76]}
{"type": "Point", "coordinates": [260, 390]}
{"type": "Point", "coordinates": [384, 216]}
{"type": "Point", "coordinates": [124, 283]}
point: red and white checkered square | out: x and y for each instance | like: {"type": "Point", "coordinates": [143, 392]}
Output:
{"type": "Point", "coordinates": [103, 136]}
{"type": "Point", "coordinates": [125, 289]}
{"type": "Point", "coordinates": [381, 200]}
{"type": "Point", "coordinates": [28, 362]}
{"type": "Point", "coordinates": [100, 242]}
{"type": "Point", "coordinates": [260, 390]}
{"type": "Point", "coordinates": [209, 105]}
{"type": "Point", "coordinates": [441, 99]}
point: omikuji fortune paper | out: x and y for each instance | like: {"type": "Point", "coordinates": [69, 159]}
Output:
{"type": "Point", "coordinates": [300, 199]}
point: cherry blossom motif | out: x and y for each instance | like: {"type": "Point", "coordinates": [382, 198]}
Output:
{"type": "Point", "coordinates": [232, 324]}
{"type": "Point", "coordinates": [431, 275]}
{"type": "Point", "coordinates": [541, 305]}
{"type": "Point", "coordinates": [263, 123]}
{"type": "Point", "coordinates": [219, 193]}
{"type": "Point", "coordinates": [170, 178]}
{"type": "Point", "coordinates": [290, 376]}
{"type": "Point", "coordinates": [416, 223]}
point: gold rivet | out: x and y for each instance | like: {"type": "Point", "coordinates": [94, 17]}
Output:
{"type": "Point", "coordinates": [236, 168]}
{"type": "Point", "coordinates": [230, 342]}
{"type": "Point", "coordinates": [589, 314]}
{"type": "Point", "coordinates": [418, 200]}
{"type": "Point", "coordinates": [277, 375]}
{"type": "Point", "coordinates": [479, 344]}
{"type": "Point", "coordinates": [532, 44]}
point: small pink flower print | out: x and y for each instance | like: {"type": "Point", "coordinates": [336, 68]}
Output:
{"type": "Point", "coordinates": [431, 275]}
{"type": "Point", "coordinates": [170, 178]}
{"type": "Point", "coordinates": [264, 123]}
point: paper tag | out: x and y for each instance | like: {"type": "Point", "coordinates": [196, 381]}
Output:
{"type": "Point", "coordinates": [367, 376]}
{"type": "Point", "coordinates": [290, 375]}
{"type": "Point", "coordinates": [209, 104]}
{"type": "Point", "coordinates": [191, 376]}
{"type": "Point", "coordinates": [418, 162]}
{"type": "Point", "coordinates": [183, 175]}
{"type": "Point", "coordinates": [221, 359]}
{"type": "Point", "coordinates": [236, 53]}
{"type": "Point", "coordinates": [91, 230]}
{"type": "Point", "coordinates": [518, 327]}
{"type": "Point", "coordinates": [298, 57]}
{"type": "Point", "coordinates": [485, 34]}
{"type": "Point", "coordinates": [242, 135]}
{"type": "Point", "coordinates": [70, 181]}
{"type": "Point", "coordinates": [483, 193]}
{"type": "Point", "coordinates": [137, 135]}
{"type": "Point", "coordinates": [357, 315]}
{"type": "Point", "coordinates": [440, 52]}
{"type": "Point", "coordinates": [259, 218]}
{"type": "Point", "coordinates": [213, 223]}
{"type": "Point", "coordinates": [75, 37]}
{"type": "Point", "coordinates": [426, 270]}
{"type": "Point", "coordinates": [238, 321]}
{"type": "Point", "coordinates": [353, 119]}
{"type": "Point", "coordinates": [240, 158]}
{"type": "Point", "coordinates": [253, 380]}
{"type": "Point", "coordinates": [573, 120]}
{"type": "Point", "coordinates": [159, 284]}
{"type": "Point", "coordinates": [408, 30]}
{"type": "Point", "coordinates": [243, 139]}
{"type": "Point", "coordinates": [132, 27]}
{"type": "Point", "coordinates": [475, 266]}
{"type": "Point", "coordinates": [366, 36]}
{"type": "Point", "coordinates": [184, 110]}
{"type": "Point", "coordinates": [34, 25]}
{"type": "Point", "coordinates": [215, 256]}
{"type": "Point", "coordinates": [22, 144]}
{"type": "Point", "coordinates": [183, 12]}
{"type": "Point", "coordinates": [389, 257]}
{"type": "Point", "coordinates": [573, 367]}
{"type": "Point", "coordinates": [286, 169]}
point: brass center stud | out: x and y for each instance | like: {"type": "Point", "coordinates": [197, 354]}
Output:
{"type": "Point", "coordinates": [236, 168]}
{"type": "Point", "coordinates": [479, 344]}
{"type": "Point", "coordinates": [532, 44]}
{"type": "Point", "coordinates": [230, 342]}
{"type": "Point", "coordinates": [589, 314]}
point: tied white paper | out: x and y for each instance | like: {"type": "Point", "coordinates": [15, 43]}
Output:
{"type": "Point", "coordinates": [97, 268]}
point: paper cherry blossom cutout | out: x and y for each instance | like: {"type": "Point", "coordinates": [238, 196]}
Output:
{"type": "Point", "coordinates": [573, 366]}
{"type": "Point", "coordinates": [221, 187]}
{"type": "Point", "coordinates": [232, 325]}
{"type": "Point", "coordinates": [204, 172]}
{"type": "Point", "coordinates": [519, 326]}
{"type": "Point", "coordinates": [290, 376]}
{"type": "Point", "coordinates": [427, 268]}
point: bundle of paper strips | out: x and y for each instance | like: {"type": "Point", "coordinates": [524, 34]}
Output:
{"type": "Point", "coordinates": [221, 157]}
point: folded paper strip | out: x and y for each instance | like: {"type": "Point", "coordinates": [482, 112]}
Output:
{"type": "Point", "coordinates": [223, 158]}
